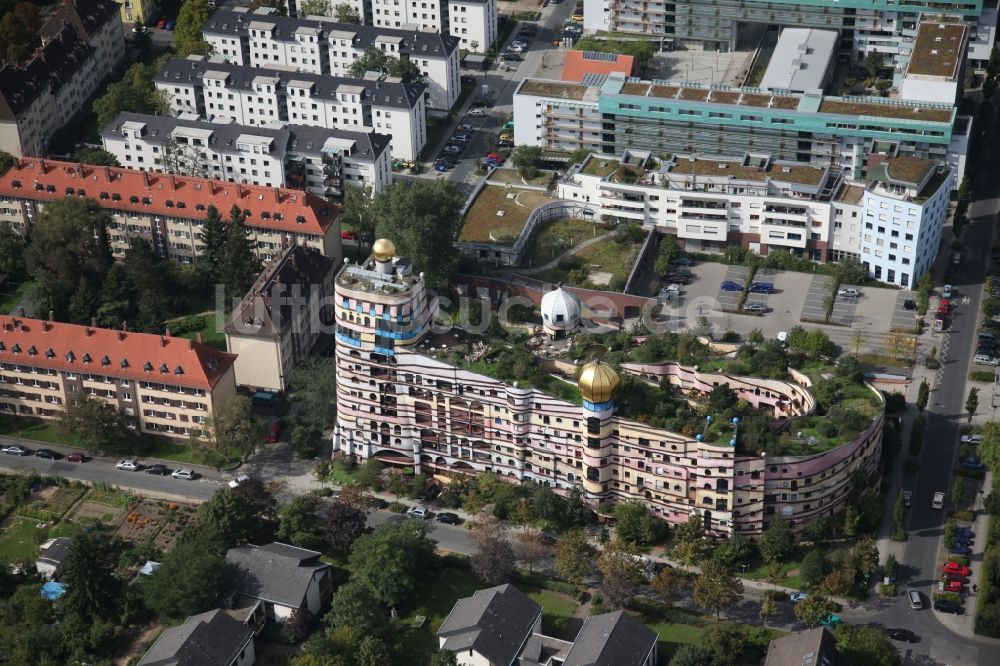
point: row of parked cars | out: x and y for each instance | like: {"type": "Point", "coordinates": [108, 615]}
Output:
{"type": "Point", "coordinates": [47, 454]}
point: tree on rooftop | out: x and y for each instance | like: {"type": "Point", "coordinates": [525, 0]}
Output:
{"type": "Point", "coordinates": [422, 220]}
{"type": "Point", "coordinates": [314, 8]}
{"type": "Point", "coordinates": [375, 59]}
{"type": "Point", "coordinates": [345, 13]}
{"type": "Point", "coordinates": [188, 37]}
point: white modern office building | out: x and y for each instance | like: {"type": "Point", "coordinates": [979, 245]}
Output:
{"type": "Point", "coordinates": [319, 160]}
{"type": "Point", "coordinates": [321, 45]}
{"type": "Point", "coordinates": [891, 223]}
{"type": "Point", "coordinates": [474, 22]}
{"type": "Point", "coordinates": [221, 92]}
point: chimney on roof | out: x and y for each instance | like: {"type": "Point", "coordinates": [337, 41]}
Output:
{"type": "Point", "coordinates": [125, 326]}
{"type": "Point", "coordinates": [145, 178]}
{"type": "Point", "coordinates": [163, 339]}
{"type": "Point", "coordinates": [93, 322]}
{"type": "Point", "coordinates": [79, 168]}
{"type": "Point", "coordinates": [107, 170]}
{"type": "Point", "coordinates": [167, 332]}
{"type": "Point", "coordinates": [277, 195]}
{"type": "Point", "coordinates": [52, 315]}
{"type": "Point", "coordinates": [191, 344]}
{"type": "Point", "coordinates": [41, 164]}
{"type": "Point", "coordinates": [199, 338]}
{"type": "Point", "coordinates": [173, 182]}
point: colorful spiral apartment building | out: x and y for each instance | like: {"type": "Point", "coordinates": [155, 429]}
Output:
{"type": "Point", "coordinates": [407, 409]}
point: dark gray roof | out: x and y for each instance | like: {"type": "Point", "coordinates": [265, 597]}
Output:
{"type": "Point", "coordinates": [56, 552]}
{"type": "Point", "coordinates": [494, 622]}
{"type": "Point", "coordinates": [52, 65]}
{"type": "Point", "coordinates": [287, 138]}
{"type": "Point", "coordinates": [424, 44]}
{"type": "Point", "coordinates": [209, 639]}
{"type": "Point", "coordinates": [324, 86]}
{"type": "Point", "coordinates": [815, 646]}
{"type": "Point", "coordinates": [611, 639]}
{"type": "Point", "coordinates": [276, 572]}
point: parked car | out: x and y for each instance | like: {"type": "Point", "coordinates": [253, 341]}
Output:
{"type": "Point", "coordinates": [75, 458]}
{"type": "Point", "coordinates": [947, 291]}
{"type": "Point", "coordinates": [518, 42]}
{"type": "Point", "coordinates": [729, 285]}
{"type": "Point", "coordinates": [511, 57]}
{"type": "Point", "coordinates": [676, 278]}
{"type": "Point", "coordinates": [476, 112]}
{"type": "Point", "coordinates": [277, 428]}
{"type": "Point", "coordinates": [761, 287]}
{"type": "Point", "coordinates": [448, 518]}
{"type": "Point", "coordinates": [904, 635]}
{"type": "Point", "coordinates": [938, 501]}
{"type": "Point", "coordinates": [682, 261]}
{"type": "Point", "coordinates": [186, 474]}
{"type": "Point", "coordinates": [375, 502]}
{"type": "Point", "coordinates": [971, 462]}
{"type": "Point", "coordinates": [161, 24]}
{"type": "Point", "coordinates": [848, 293]}
{"type": "Point", "coordinates": [830, 620]}
{"type": "Point", "coordinates": [15, 450]}
{"type": "Point", "coordinates": [952, 586]}
{"type": "Point", "coordinates": [909, 304]}
{"type": "Point", "coordinates": [48, 454]}
{"type": "Point", "coordinates": [986, 359]}
{"type": "Point", "coordinates": [481, 104]}
{"type": "Point", "coordinates": [128, 465]}
{"type": "Point", "coordinates": [460, 138]}
{"type": "Point", "coordinates": [755, 307]}
{"type": "Point", "coordinates": [961, 549]}
{"type": "Point", "coordinates": [916, 601]}
{"type": "Point", "coordinates": [953, 576]}
{"type": "Point", "coordinates": [418, 512]}
{"type": "Point", "coordinates": [972, 439]}
{"type": "Point", "coordinates": [159, 470]}
{"type": "Point", "coordinates": [907, 498]}
{"type": "Point", "coordinates": [347, 234]}
{"type": "Point", "coordinates": [966, 531]}
{"type": "Point", "coordinates": [440, 168]}
{"type": "Point", "coordinates": [235, 483]}
{"type": "Point", "coordinates": [505, 143]}
{"type": "Point", "coordinates": [943, 606]}
{"type": "Point", "coordinates": [796, 597]}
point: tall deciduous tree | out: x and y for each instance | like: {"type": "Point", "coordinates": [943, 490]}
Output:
{"type": "Point", "coordinates": [345, 13]}
{"type": "Point", "coordinates": [634, 524]}
{"type": "Point", "coordinates": [343, 524]}
{"type": "Point", "coordinates": [422, 220]}
{"type": "Point", "coordinates": [525, 160]}
{"type": "Point", "coordinates": [357, 211]}
{"type": "Point", "coordinates": [865, 645]}
{"type": "Point", "coordinates": [278, 5]}
{"type": "Point", "coordinates": [375, 59]}
{"type": "Point", "coordinates": [355, 605]}
{"type": "Point", "coordinates": [574, 556]}
{"type": "Point", "coordinates": [972, 403]}
{"type": "Point", "coordinates": [776, 542]}
{"type": "Point", "coordinates": [235, 429]}
{"type": "Point", "coordinates": [725, 641]}
{"type": "Point", "coordinates": [11, 253]}
{"type": "Point", "coordinates": [88, 573]}
{"type": "Point", "coordinates": [188, 37]}
{"type": "Point", "coordinates": [135, 92]}
{"type": "Point", "coordinates": [6, 161]}
{"type": "Point", "coordinates": [98, 156]}
{"type": "Point", "coordinates": [314, 8]}
{"type": "Point", "coordinates": [668, 584]}
{"type": "Point", "coordinates": [93, 424]}
{"type": "Point", "coordinates": [190, 580]}
{"type": "Point", "coordinates": [300, 524]}
{"type": "Point", "coordinates": [69, 245]}
{"type": "Point", "coordinates": [716, 588]}
{"type": "Point", "coordinates": [493, 560]}
{"type": "Point", "coordinates": [235, 517]}
{"type": "Point", "coordinates": [392, 560]}
{"type": "Point", "coordinates": [813, 609]}
{"type": "Point", "coordinates": [531, 549]}
{"type": "Point", "coordinates": [620, 573]}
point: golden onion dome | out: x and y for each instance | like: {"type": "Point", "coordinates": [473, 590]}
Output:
{"type": "Point", "coordinates": [598, 382]}
{"type": "Point", "coordinates": [383, 250]}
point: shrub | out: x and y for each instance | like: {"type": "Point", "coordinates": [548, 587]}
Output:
{"type": "Point", "coordinates": [560, 586]}
{"type": "Point", "coordinates": [967, 516]}
{"type": "Point", "coordinates": [981, 376]}
{"type": "Point", "coordinates": [887, 589]}
{"type": "Point", "coordinates": [953, 597]}
{"type": "Point", "coordinates": [187, 324]}
{"type": "Point", "coordinates": [397, 507]}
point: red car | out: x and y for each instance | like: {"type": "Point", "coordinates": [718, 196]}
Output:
{"type": "Point", "coordinates": [495, 156]}
{"type": "Point", "coordinates": [74, 457]}
{"type": "Point", "coordinates": [161, 24]}
{"type": "Point", "coordinates": [953, 586]}
{"type": "Point", "coordinates": [275, 433]}
{"type": "Point", "coordinates": [348, 235]}
{"type": "Point", "coordinates": [955, 568]}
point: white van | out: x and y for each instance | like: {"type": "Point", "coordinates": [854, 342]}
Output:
{"type": "Point", "coordinates": [938, 501]}
{"type": "Point", "coordinates": [916, 602]}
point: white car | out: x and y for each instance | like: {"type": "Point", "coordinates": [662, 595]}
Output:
{"type": "Point", "coordinates": [849, 293]}
{"type": "Point", "coordinates": [947, 291]}
{"type": "Point", "coordinates": [128, 465]}
{"type": "Point", "coordinates": [515, 49]}
{"type": "Point", "coordinates": [418, 512]}
{"type": "Point", "coordinates": [183, 474]}
{"type": "Point", "coordinates": [476, 113]}
{"type": "Point", "coordinates": [938, 501]}
{"type": "Point", "coordinates": [14, 450]}
{"type": "Point", "coordinates": [238, 480]}
{"type": "Point", "coordinates": [518, 42]}
{"type": "Point", "coordinates": [907, 498]}
{"type": "Point", "coordinates": [972, 439]}
{"type": "Point", "coordinates": [465, 127]}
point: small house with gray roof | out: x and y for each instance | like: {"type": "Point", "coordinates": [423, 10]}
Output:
{"type": "Point", "coordinates": [283, 577]}
{"type": "Point", "coordinates": [53, 555]}
{"type": "Point", "coordinates": [501, 626]}
{"type": "Point", "coordinates": [209, 639]}
{"type": "Point", "coordinates": [321, 45]}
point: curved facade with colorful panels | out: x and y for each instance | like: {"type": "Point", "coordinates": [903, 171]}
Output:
{"type": "Point", "coordinates": [404, 408]}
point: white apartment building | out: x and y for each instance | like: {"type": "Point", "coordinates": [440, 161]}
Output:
{"type": "Point", "coordinates": [762, 204]}
{"type": "Point", "coordinates": [321, 161]}
{"type": "Point", "coordinates": [469, 20]}
{"type": "Point", "coordinates": [322, 46]}
{"type": "Point", "coordinates": [82, 43]}
{"type": "Point", "coordinates": [221, 92]}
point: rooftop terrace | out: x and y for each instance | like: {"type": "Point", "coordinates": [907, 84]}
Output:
{"type": "Point", "coordinates": [789, 172]}
{"type": "Point", "coordinates": [851, 107]}
{"type": "Point", "coordinates": [553, 89]}
{"type": "Point", "coordinates": [937, 50]}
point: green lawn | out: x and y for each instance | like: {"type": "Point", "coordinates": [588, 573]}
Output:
{"type": "Point", "coordinates": [674, 626]}
{"type": "Point", "coordinates": [340, 475]}
{"type": "Point", "coordinates": [557, 237]}
{"type": "Point", "coordinates": [10, 298]}
{"type": "Point", "coordinates": [557, 609]}
{"type": "Point", "coordinates": [434, 599]}
{"type": "Point", "coordinates": [20, 540]}
{"type": "Point", "coordinates": [211, 335]}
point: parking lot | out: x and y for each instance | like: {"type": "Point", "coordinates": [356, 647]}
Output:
{"type": "Point", "coordinates": [797, 300]}
{"type": "Point", "coordinates": [903, 319]}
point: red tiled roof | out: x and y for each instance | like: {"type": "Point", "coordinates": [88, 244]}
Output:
{"type": "Point", "coordinates": [150, 192]}
{"type": "Point", "coordinates": [102, 351]}
{"type": "Point", "coordinates": [580, 63]}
